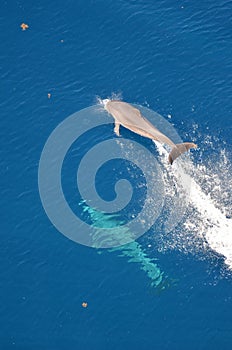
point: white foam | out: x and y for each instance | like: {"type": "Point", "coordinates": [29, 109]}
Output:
{"type": "Point", "coordinates": [210, 222]}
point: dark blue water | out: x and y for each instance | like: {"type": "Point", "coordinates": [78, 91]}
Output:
{"type": "Point", "coordinates": [177, 57]}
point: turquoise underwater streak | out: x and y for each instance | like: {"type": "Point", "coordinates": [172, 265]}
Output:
{"type": "Point", "coordinates": [132, 250]}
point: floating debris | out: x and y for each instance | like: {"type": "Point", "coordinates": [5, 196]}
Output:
{"type": "Point", "coordinates": [24, 26]}
{"type": "Point", "coordinates": [84, 304]}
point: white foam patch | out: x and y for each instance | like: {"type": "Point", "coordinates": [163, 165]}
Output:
{"type": "Point", "coordinates": [209, 221]}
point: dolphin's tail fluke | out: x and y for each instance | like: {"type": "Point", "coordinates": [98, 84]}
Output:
{"type": "Point", "coordinates": [178, 149]}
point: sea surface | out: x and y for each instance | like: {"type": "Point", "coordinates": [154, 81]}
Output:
{"type": "Point", "coordinates": [169, 289]}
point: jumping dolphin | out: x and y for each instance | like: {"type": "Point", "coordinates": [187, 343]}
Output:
{"type": "Point", "coordinates": [132, 119]}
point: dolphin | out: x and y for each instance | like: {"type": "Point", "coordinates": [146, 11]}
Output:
{"type": "Point", "coordinates": [131, 118]}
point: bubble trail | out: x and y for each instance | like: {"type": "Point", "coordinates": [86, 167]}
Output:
{"type": "Point", "coordinates": [210, 223]}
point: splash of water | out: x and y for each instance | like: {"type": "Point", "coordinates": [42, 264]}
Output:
{"type": "Point", "coordinates": [208, 219]}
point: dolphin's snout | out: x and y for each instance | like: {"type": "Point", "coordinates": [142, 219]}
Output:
{"type": "Point", "coordinates": [105, 101]}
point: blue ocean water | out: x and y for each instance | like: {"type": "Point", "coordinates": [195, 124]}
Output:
{"type": "Point", "coordinates": [174, 56]}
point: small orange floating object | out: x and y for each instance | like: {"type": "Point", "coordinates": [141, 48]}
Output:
{"type": "Point", "coordinates": [84, 304]}
{"type": "Point", "coordinates": [49, 95]}
{"type": "Point", "coordinates": [24, 26]}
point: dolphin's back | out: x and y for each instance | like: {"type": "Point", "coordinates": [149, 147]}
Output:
{"type": "Point", "coordinates": [131, 118]}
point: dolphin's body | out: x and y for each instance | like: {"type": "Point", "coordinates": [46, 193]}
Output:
{"type": "Point", "coordinates": [132, 119]}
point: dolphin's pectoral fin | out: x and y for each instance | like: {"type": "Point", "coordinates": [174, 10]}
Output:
{"type": "Point", "coordinates": [116, 129]}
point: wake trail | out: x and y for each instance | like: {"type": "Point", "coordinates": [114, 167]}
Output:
{"type": "Point", "coordinates": [210, 223]}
